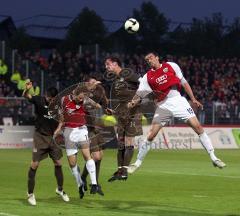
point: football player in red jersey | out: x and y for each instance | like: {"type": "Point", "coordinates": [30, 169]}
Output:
{"type": "Point", "coordinates": [97, 93]}
{"type": "Point", "coordinates": [165, 81]}
{"type": "Point", "coordinates": [73, 121]}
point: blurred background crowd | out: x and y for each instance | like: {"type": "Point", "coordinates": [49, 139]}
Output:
{"type": "Point", "coordinates": [215, 81]}
{"type": "Point", "coordinates": [61, 51]}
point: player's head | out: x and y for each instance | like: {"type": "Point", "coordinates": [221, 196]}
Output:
{"type": "Point", "coordinates": [113, 64]}
{"type": "Point", "coordinates": [78, 94]}
{"type": "Point", "coordinates": [91, 83]}
{"type": "Point", "coordinates": [51, 93]}
{"type": "Point", "coordinates": [90, 79]}
{"type": "Point", "coordinates": [152, 58]}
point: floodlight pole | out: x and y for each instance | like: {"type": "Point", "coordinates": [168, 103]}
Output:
{"type": "Point", "coordinates": [42, 82]}
{"type": "Point", "coordinates": [13, 60]}
{"type": "Point", "coordinates": [96, 56]}
{"type": "Point", "coordinates": [80, 50]}
{"type": "Point", "coordinates": [3, 50]}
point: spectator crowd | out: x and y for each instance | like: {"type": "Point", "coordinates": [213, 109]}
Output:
{"type": "Point", "coordinates": [215, 81]}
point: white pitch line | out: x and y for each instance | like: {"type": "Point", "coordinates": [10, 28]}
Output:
{"type": "Point", "coordinates": [195, 174]}
{"type": "Point", "coordinates": [6, 214]}
{"type": "Point", "coordinates": [199, 196]}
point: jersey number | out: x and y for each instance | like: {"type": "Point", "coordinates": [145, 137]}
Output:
{"type": "Point", "coordinates": [190, 110]}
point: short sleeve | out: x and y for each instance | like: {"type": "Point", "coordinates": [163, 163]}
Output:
{"type": "Point", "coordinates": [177, 69]}
{"type": "Point", "coordinates": [144, 89]}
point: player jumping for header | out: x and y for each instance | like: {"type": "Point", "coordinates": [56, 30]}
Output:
{"type": "Point", "coordinates": [165, 81]}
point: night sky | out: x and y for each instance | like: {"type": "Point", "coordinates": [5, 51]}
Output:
{"type": "Point", "coordinates": [176, 10]}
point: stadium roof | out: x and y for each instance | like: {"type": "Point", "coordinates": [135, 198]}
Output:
{"type": "Point", "coordinates": [46, 26]}
{"type": "Point", "coordinates": [113, 25]}
{"type": "Point", "coordinates": [46, 20]}
{"type": "Point", "coordinates": [7, 27]}
{"type": "Point", "coordinates": [3, 18]}
{"type": "Point", "coordinates": [56, 27]}
{"type": "Point", "coordinates": [46, 32]}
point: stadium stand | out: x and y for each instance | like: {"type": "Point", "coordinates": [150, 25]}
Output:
{"type": "Point", "coordinates": [215, 81]}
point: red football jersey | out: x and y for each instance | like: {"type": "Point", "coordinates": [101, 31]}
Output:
{"type": "Point", "coordinates": [74, 114]}
{"type": "Point", "coordinates": [162, 79]}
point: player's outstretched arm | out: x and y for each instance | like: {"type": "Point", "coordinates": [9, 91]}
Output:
{"type": "Point", "coordinates": [60, 124]}
{"type": "Point", "coordinates": [143, 90]}
{"type": "Point", "coordinates": [92, 103]}
{"type": "Point", "coordinates": [189, 91]}
{"type": "Point", "coordinates": [109, 111]}
{"type": "Point", "coordinates": [58, 130]}
{"type": "Point", "coordinates": [135, 101]}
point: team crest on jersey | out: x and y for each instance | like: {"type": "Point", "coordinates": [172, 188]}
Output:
{"type": "Point", "coordinates": [165, 70]}
{"type": "Point", "coordinates": [70, 111]}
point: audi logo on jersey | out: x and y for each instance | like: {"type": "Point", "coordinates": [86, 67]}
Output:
{"type": "Point", "coordinates": [71, 110]}
{"type": "Point", "coordinates": [162, 79]}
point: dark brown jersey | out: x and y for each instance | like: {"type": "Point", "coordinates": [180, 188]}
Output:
{"type": "Point", "coordinates": [99, 96]}
{"type": "Point", "coordinates": [123, 89]}
{"type": "Point", "coordinates": [44, 122]}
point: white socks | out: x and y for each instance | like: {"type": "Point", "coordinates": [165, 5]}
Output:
{"type": "Point", "coordinates": [207, 144]}
{"type": "Point", "coordinates": [91, 168]}
{"type": "Point", "coordinates": [204, 139]}
{"type": "Point", "coordinates": [77, 175]}
{"type": "Point", "coordinates": [90, 164]}
{"type": "Point", "coordinates": [142, 152]}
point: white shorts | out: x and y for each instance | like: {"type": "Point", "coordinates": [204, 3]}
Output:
{"type": "Point", "coordinates": [74, 138]}
{"type": "Point", "coordinates": [177, 107]}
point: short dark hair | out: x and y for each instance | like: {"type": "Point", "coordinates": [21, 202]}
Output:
{"type": "Point", "coordinates": [87, 78]}
{"type": "Point", "coordinates": [114, 59]}
{"type": "Point", "coordinates": [161, 58]}
{"type": "Point", "coordinates": [81, 88]}
{"type": "Point", "coordinates": [51, 92]}
{"type": "Point", "coordinates": [153, 52]}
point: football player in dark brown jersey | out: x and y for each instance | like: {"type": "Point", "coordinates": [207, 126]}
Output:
{"type": "Point", "coordinates": [124, 86]}
{"type": "Point", "coordinates": [43, 144]}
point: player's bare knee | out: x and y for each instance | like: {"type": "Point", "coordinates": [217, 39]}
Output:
{"type": "Point", "coordinates": [57, 163]}
{"type": "Point", "coordinates": [150, 139]}
{"type": "Point", "coordinates": [72, 164]}
{"type": "Point", "coordinates": [87, 157]}
{"type": "Point", "coordinates": [198, 129]}
{"type": "Point", "coordinates": [96, 156]}
{"type": "Point", "coordinates": [151, 135]}
{"type": "Point", "coordinates": [86, 154]}
{"type": "Point", "coordinates": [34, 165]}
{"type": "Point", "coordinates": [72, 161]}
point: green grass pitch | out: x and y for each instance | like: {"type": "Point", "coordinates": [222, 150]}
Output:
{"type": "Point", "coordinates": [169, 183]}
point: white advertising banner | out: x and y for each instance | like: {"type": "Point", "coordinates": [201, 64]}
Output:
{"type": "Point", "coordinates": [186, 138]}
{"type": "Point", "coordinates": [168, 138]}
{"type": "Point", "coordinates": [16, 137]}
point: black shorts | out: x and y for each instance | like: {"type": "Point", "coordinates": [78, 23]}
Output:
{"type": "Point", "coordinates": [96, 140]}
{"type": "Point", "coordinates": [43, 146]}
